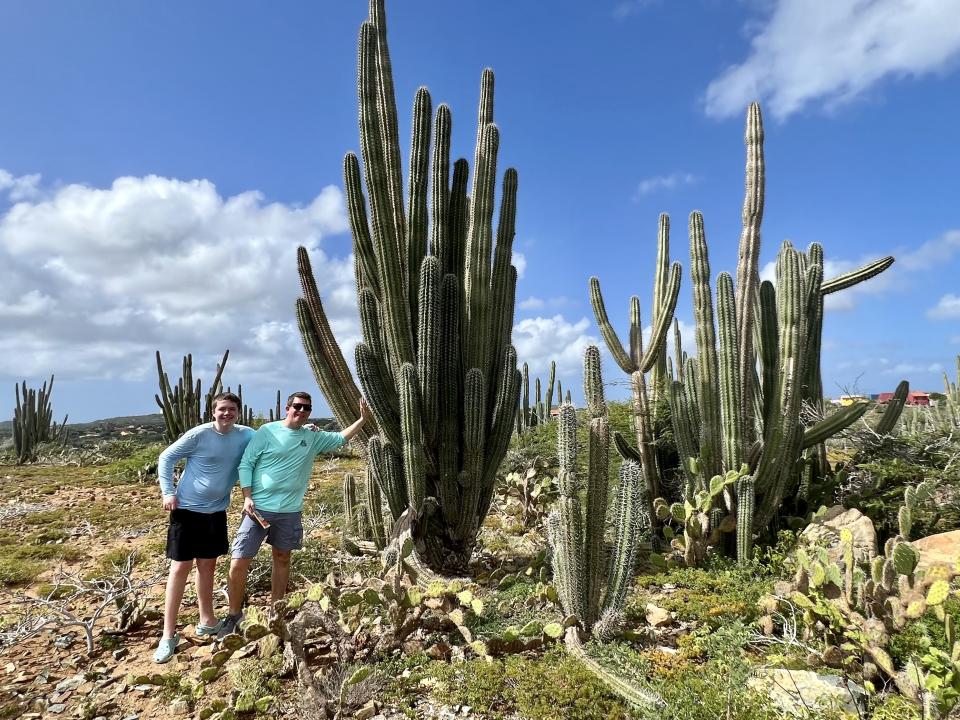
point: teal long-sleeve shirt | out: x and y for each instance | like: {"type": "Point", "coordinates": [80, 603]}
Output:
{"type": "Point", "coordinates": [211, 470]}
{"type": "Point", "coordinates": [276, 464]}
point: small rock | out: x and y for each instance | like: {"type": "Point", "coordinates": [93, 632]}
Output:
{"type": "Point", "coordinates": [10, 667]}
{"type": "Point", "coordinates": [70, 683]}
{"type": "Point", "coordinates": [940, 550]}
{"type": "Point", "coordinates": [179, 707]}
{"type": "Point", "coordinates": [658, 617]}
{"type": "Point", "coordinates": [120, 653]}
{"type": "Point", "coordinates": [826, 531]}
{"type": "Point", "coordinates": [797, 691]}
{"type": "Point", "coordinates": [57, 709]}
{"type": "Point", "coordinates": [366, 712]}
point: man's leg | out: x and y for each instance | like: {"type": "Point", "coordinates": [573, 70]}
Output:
{"type": "Point", "coordinates": [176, 581]}
{"type": "Point", "coordinates": [280, 575]}
{"type": "Point", "coordinates": [237, 583]}
{"type": "Point", "coordinates": [205, 570]}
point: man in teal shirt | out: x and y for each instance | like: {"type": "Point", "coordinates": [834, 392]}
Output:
{"type": "Point", "coordinates": [274, 473]}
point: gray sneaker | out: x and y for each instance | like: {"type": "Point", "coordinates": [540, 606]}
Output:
{"type": "Point", "coordinates": [229, 625]}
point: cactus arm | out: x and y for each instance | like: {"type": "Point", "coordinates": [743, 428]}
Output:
{"type": "Point", "coordinates": [731, 414]}
{"type": "Point", "coordinates": [660, 277]}
{"type": "Point", "coordinates": [628, 513]}
{"type": "Point", "coordinates": [830, 426]}
{"type": "Point", "coordinates": [662, 320]}
{"type": "Point", "coordinates": [386, 202]}
{"type": "Point", "coordinates": [598, 469]}
{"type": "Point", "coordinates": [388, 135]}
{"type": "Point", "coordinates": [842, 282]}
{"type": "Point", "coordinates": [416, 231]}
{"type": "Point", "coordinates": [411, 418]}
{"type": "Point", "coordinates": [428, 355]}
{"type": "Point", "coordinates": [479, 246]}
{"type": "Point", "coordinates": [745, 508]}
{"type": "Point", "coordinates": [440, 190]}
{"type": "Point", "coordinates": [747, 266]}
{"type": "Point", "coordinates": [707, 362]}
{"type": "Point", "coordinates": [894, 407]}
{"type": "Point", "coordinates": [613, 343]}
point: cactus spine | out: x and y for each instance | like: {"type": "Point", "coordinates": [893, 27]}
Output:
{"type": "Point", "coordinates": [436, 292]}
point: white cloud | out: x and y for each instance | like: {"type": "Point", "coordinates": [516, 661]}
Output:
{"type": "Point", "coordinates": [947, 308]}
{"type": "Point", "coordinates": [833, 52]}
{"type": "Point", "coordinates": [905, 368]}
{"type": "Point", "coordinates": [664, 182]}
{"type": "Point", "coordinates": [520, 263]}
{"type": "Point", "coordinates": [19, 188]}
{"type": "Point", "coordinates": [93, 280]}
{"type": "Point", "coordinates": [932, 252]}
{"type": "Point", "coordinates": [541, 340]}
{"type": "Point", "coordinates": [539, 303]}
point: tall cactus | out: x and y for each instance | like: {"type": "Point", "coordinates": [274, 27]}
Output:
{"type": "Point", "coordinates": [582, 574]}
{"type": "Point", "coordinates": [725, 411]}
{"type": "Point", "coordinates": [33, 421]}
{"type": "Point", "coordinates": [436, 291]}
{"type": "Point", "coordinates": [635, 361]}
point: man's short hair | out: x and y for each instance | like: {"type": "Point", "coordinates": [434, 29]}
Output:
{"type": "Point", "coordinates": [302, 395]}
{"type": "Point", "coordinates": [229, 397]}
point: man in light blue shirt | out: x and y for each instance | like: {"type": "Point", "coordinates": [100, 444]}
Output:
{"type": "Point", "coordinates": [274, 473]}
{"type": "Point", "coordinates": [197, 533]}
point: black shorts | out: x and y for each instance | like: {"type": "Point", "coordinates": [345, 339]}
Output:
{"type": "Point", "coordinates": [194, 535]}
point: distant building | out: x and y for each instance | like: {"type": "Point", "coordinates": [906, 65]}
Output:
{"type": "Point", "coordinates": [914, 397]}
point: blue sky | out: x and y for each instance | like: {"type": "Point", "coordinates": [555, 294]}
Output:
{"type": "Point", "coordinates": [160, 162]}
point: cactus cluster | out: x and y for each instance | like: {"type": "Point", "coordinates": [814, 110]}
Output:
{"type": "Point", "coordinates": [436, 300]}
{"type": "Point", "coordinates": [741, 399]}
{"type": "Point", "coordinates": [860, 607]}
{"type": "Point", "coordinates": [537, 410]}
{"type": "Point", "coordinates": [576, 528]}
{"type": "Point", "coordinates": [183, 405]}
{"type": "Point", "coordinates": [33, 421]}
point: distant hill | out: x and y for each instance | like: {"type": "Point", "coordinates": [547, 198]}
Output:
{"type": "Point", "coordinates": [148, 426]}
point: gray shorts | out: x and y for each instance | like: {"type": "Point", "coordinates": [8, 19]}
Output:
{"type": "Point", "coordinates": [285, 533]}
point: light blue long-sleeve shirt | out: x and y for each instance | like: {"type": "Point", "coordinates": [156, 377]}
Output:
{"type": "Point", "coordinates": [211, 470]}
{"type": "Point", "coordinates": [277, 463]}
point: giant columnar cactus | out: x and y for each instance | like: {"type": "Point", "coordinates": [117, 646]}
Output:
{"type": "Point", "coordinates": [436, 299]}
{"type": "Point", "coordinates": [33, 421]}
{"type": "Point", "coordinates": [180, 404]}
{"type": "Point", "coordinates": [636, 362]}
{"type": "Point", "coordinates": [725, 411]}
{"type": "Point", "coordinates": [576, 533]}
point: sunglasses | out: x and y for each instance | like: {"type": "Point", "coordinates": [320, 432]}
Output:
{"type": "Point", "coordinates": [301, 407]}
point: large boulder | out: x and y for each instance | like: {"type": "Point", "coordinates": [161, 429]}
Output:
{"type": "Point", "coordinates": [940, 550]}
{"type": "Point", "coordinates": [797, 692]}
{"type": "Point", "coordinates": [825, 531]}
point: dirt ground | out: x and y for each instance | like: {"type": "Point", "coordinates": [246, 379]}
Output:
{"type": "Point", "coordinates": [56, 521]}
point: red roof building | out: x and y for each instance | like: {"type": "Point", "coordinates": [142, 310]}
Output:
{"type": "Point", "coordinates": [914, 397]}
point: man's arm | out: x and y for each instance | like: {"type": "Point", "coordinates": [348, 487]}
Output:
{"type": "Point", "coordinates": [183, 447]}
{"type": "Point", "coordinates": [365, 415]}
